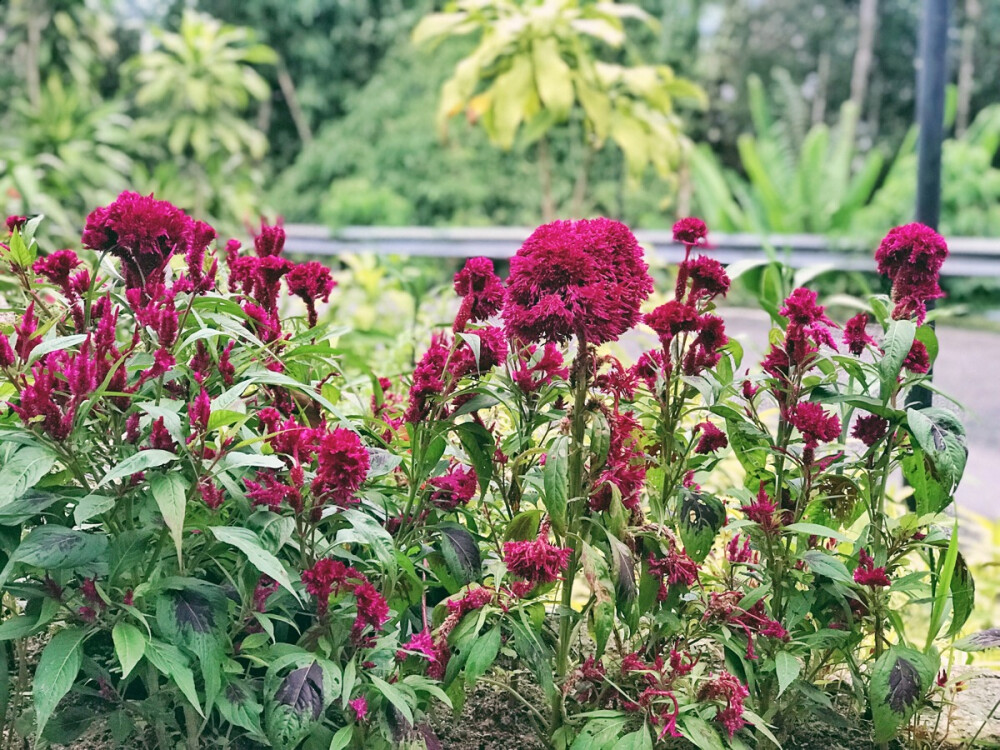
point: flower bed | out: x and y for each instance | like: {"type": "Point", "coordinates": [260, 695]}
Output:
{"type": "Point", "coordinates": [230, 536]}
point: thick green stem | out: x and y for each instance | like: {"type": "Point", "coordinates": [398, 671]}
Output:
{"type": "Point", "coordinates": [578, 426]}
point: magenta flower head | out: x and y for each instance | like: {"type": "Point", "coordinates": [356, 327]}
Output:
{"type": "Point", "coordinates": [481, 291]}
{"type": "Point", "coordinates": [911, 257]}
{"type": "Point", "coordinates": [856, 336]}
{"type": "Point", "coordinates": [16, 223]}
{"type": "Point", "coordinates": [712, 438]}
{"type": "Point", "coordinates": [690, 231]}
{"type": "Point", "coordinates": [576, 278]}
{"type": "Point", "coordinates": [140, 231]}
{"type": "Point", "coordinates": [536, 561]}
{"type": "Point", "coordinates": [311, 281]}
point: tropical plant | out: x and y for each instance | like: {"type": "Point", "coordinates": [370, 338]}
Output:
{"type": "Point", "coordinates": [193, 92]}
{"type": "Point", "coordinates": [538, 65]}
{"type": "Point", "coordinates": [795, 181]}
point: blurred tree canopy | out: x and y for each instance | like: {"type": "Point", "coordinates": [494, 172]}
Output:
{"type": "Point", "coordinates": [323, 110]}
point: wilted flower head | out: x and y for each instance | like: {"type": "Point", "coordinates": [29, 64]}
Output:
{"type": "Point", "coordinates": [536, 561]}
{"type": "Point", "coordinates": [732, 692]}
{"type": "Point", "coordinates": [911, 257]}
{"type": "Point", "coordinates": [572, 278]}
{"type": "Point", "coordinates": [141, 231]}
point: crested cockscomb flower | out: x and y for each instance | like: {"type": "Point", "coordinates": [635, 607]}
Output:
{"type": "Point", "coordinates": [539, 366]}
{"type": "Point", "coordinates": [576, 278]}
{"type": "Point", "coordinates": [16, 223]}
{"type": "Point", "coordinates": [57, 267]}
{"type": "Point", "coordinates": [270, 241]}
{"type": "Point", "coordinates": [200, 410]}
{"type": "Point", "coordinates": [807, 320]}
{"type": "Point", "coordinates": [814, 423]}
{"type": "Point", "coordinates": [310, 282]}
{"type": "Point", "coordinates": [712, 438]}
{"type": "Point", "coordinates": [325, 577]}
{"type": "Point", "coordinates": [911, 257]}
{"type": "Point", "coordinates": [690, 231]}
{"type": "Point", "coordinates": [704, 351]}
{"type": "Point", "coordinates": [343, 466]}
{"type": "Point", "coordinates": [481, 291]}
{"type": "Point", "coordinates": [707, 276]}
{"type": "Point", "coordinates": [372, 608]}
{"type": "Point", "coordinates": [866, 574]}
{"type": "Point", "coordinates": [537, 561]}
{"type": "Point", "coordinates": [732, 692]}
{"type": "Point", "coordinates": [210, 493]}
{"type": "Point", "coordinates": [455, 488]}
{"type": "Point", "coordinates": [870, 428]}
{"type": "Point", "coordinates": [140, 231]}
{"type": "Point", "coordinates": [672, 318]}
{"type": "Point", "coordinates": [917, 360]}
{"type": "Point", "coordinates": [359, 706]}
{"type": "Point", "coordinates": [420, 643]}
{"type": "Point", "coordinates": [653, 367]}
{"type": "Point", "coordinates": [764, 512]}
{"type": "Point", "coordinates": [492, 347]}
{"type": "Point", "coordinates": [625, 466]}
{"type": "Point", "coordinates": [856, 336]}
{"type": "Point", "coordinates": [428, 379]}
{"type": "Point", "coordinates": [675, 569]}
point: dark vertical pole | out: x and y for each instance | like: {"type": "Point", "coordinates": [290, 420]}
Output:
{"type": "Point", "coordinates": [932, 76]}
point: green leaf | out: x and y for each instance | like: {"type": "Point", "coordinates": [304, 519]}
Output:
{"type": "Point", "coordinates": [395, 696]}
{"type": "Point", "coordinates": [23, 471]}
{"type": "Point", "coordinates": [941, 437]}
{"type": "Point", "coordinates": [896, 345]}
{"type": "Point", "coordinates": [931, 496]}
{"type": "Point", "coordinates": [820, 563]}
{"type": "Point", "coordinates": [365, 530]}
{"type": "Point", "coordinates": [600, 733]}
{"type": "Point", "coordinates": [701, 733]}
{"type": "Point", "coordinates": [787, 667]}
{"type": "Point", "coordinates": [555, 481]}
{"type": "Point", "coordinates": [981, 641]}
{"type": "Point", "coordinates": [942, 590]}
{"type": "Point", "coordinates": [171, 661]}
{"type": "Point", "coordinates": [170, 493]}
{"type": "Point", "coordinates": [56, 672]}
{"type": "Point", "coordinates": [478, 444]}
{"type": "Point", "coordinates": [963, 596]}
{"type": "Point", "coordinates": [239, 706]}
{"type": "Point", "coordinates": [90, 506]}
{"type": "Point", "coordinates": [552, 77]}
{"type": "Point", "coordinates": [342, 738]}
{"type": "Point", "coordinates": [194, 618]}
{"type": "Point", "coordinates": [130, 645]}
{"type": "Point", "coordinates": [249, 544]}
{"type": "Point", "coordinates": [815, 529]}
{"type": "Point", "coordinates": [700, 517]}
{"type": "Point", "coordinates": [140, 461]}
{"type": "Point", "coordinates": [58, 548]}
{"type": "Point", "coordinates": [29, 505]}
{"type": "Point", "coordinates": [482, 655]}
{"type": "Point", "coordinates": [900, 679]}
{"type": "Point", "coordinates": [640, 739]}
{"type": "Point", "coordinates": [461, 553]}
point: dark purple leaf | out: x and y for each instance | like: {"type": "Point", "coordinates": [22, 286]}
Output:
{"type": "Point", "coordinates": [193, 611]}
{"type": "Point", "coordinates": [461, 553]}
{"type": "Point", "coordinates": [302, 690]}
{"type": "Point", "coordinates": [904, 686]}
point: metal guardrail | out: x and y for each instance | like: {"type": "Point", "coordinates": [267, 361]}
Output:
{"type": "Point", "coordinates": [970, 256]}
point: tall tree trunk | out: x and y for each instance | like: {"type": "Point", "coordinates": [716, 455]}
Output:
{"type": "Point", "coordinates": [294, 108]}
{"type": "Point", "coordinates": [966, 66]}
{"type": "Point", "coordinates": [545, 179]}
{"type": "Point", "coordinates": [822, 84]}
{"type": "Point", "coordinates": [867, 24]}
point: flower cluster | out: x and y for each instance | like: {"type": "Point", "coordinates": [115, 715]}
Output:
{"type": "Point", "coordinates": [726, 688]}
{"type": "Point", "coordinates": [625, 466]}
{"type": "Point", "coordinates": [911, 257]}
{"type": "Point", "coordinates": [536, 561]}
{"type": "Point", "coordinates": [332, 577]}
{"type": "Point", "coordinates": [866, 574]}
{"type": "Point", "coordinates": [583, 279]}
{"type": "Point", "coordinates": [481, 291]}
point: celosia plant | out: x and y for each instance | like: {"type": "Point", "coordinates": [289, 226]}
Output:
{"type": "Point", "coordinates": [229, 535]}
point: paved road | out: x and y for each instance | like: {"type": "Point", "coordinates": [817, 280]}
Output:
{"type": "Point", "coordinates": [968, 368]}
